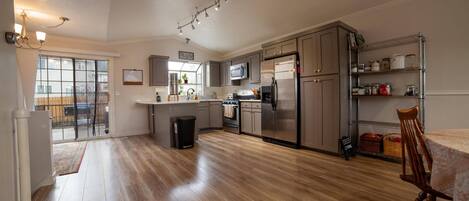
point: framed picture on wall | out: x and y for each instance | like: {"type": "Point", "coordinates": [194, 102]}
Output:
{"type": "Point", "coordinates": [132, 77]}
{"type": "Point", "coordinates": [186, 55]}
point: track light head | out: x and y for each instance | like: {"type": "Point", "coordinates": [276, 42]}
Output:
{"type": "Point", "coordinates": [180, 32]}
{"type": "Point", "coordinates": [193, 27]}
{"type": "Point", "coordinates": [217, 7]}
{"type": "Point", "coordinates": [197, 20]}
{"type": "Point", "coordinates": [206, 14]}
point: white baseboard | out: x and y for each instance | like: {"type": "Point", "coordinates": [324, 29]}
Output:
{"type": "Point", "coordinates": [447, 93]}
{"type": "Point", "coordinates": [50, 180]}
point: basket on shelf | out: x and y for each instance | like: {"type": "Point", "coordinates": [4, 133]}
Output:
{"type": "Point", "coordinates": [392, 145]}
{"type": "Point", "coordinates": [371, 142]}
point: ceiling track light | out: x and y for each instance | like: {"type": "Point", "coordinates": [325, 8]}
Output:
{"type": "Point", "coordinates": [195, 18]}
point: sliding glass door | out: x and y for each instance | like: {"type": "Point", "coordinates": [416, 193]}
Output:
{"type": "Point", "coordinates": [75, 91]}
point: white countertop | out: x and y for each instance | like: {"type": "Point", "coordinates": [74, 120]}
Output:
{"type": "Point", "coordinates": [211, 100]}
{"type": "Point", "coordinates": [251, 100]}
{"type": "Point", "coordinates": [150, 102]}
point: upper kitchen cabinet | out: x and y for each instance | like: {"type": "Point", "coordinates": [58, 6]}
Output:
{"type": "Point", "coordinates": [308, 47]}
{"type": "Point", "coordinates": [212, 74]}
{"type": "Point", "coordinates": [158, 70]}
{"type": "Point", "coordinates": [279, 49]}
{"type": "Point", "coordinates": [225, 75]}
{"type": "Point", "coordinates": [329, 52]}
{"type": "Point", "coordinates": [319, 53]}
{"type": "Point", "coordinates": [255, 68]}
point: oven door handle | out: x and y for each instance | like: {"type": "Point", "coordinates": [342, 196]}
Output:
{"type": "Point", "coordinates": [235, 106]}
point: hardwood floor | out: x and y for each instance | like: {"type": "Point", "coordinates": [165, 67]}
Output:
{"type": "Point", "coordinates": [224, 166]}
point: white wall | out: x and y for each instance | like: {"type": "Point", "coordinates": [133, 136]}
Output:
{"type": "Point", "coordinates": [445, 25]}
{"type": "Point", "coordinates": [8, 102]}
{"type": "Point", "coordinates": [131, 119]}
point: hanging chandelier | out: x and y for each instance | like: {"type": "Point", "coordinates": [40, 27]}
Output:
{"type": "Point", "coordinates": [195, 17]}
{"type": "Point", "coordinates": [21, 38]}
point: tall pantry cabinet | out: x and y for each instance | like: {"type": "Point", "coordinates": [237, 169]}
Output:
{"type": "Point", "coordinates": [324, 81]}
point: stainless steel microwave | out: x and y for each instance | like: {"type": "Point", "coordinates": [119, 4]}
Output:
{"type": "Point", "coordinates": [239, 71]}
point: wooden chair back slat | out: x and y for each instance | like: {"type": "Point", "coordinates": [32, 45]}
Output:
{"type": "Point", "coordinates": [414, 144]}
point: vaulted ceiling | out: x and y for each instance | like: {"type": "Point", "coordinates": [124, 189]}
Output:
{"type": "Point", "coordinates": [238, 24]}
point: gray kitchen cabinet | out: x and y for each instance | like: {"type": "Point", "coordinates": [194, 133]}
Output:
{"type": "Point", "coordinates": [257, 119]}
{"type": "Point", "coordinates": [329, 52]}
{"type": "Point", "coordinates": [308, 48]}
{"type": "Point", "coordinates": [251, 118]}
{"type": "Point", "coordinates": [271, 51]}
{"type": "Point", "coordinates": [212, 74]}
{"type": "Point", "coordinates": [239, 60]}
{"type": "Point", "coordinates": [319, 53]}
{"type": "Point", "coordinates": [225, 75]}
{"type": "Point", "coordinates": [255, 68]}
{"type": "Point", "coordinates": [279, 49]}
{"type": "Point", "coordinates": [246, 120]}
{"type": "Point", "coordinates": [216, 115]}
{"type": "Point", "coordinates": [158, 70]}
{"type": "Point", "coordinates": [288, 46]}
{"type": "Point", "coordinates": [203, 115]}
{"type": "Point", "coordinates": [320, 112]}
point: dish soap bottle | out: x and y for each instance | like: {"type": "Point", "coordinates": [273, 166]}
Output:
{"type": "Point", "coordinates": [158, 97]}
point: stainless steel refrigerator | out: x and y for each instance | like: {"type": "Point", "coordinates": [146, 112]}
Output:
{"type": "Point", "coordinates": [279, 94]}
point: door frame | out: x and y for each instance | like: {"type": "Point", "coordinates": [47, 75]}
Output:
{"type": "Point", "coordinates": [111, 81]}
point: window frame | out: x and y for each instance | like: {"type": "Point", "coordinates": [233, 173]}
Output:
{"type": "Point", "coordinates": [198, 85]}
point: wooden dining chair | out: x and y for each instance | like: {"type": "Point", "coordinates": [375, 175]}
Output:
{"type": "Point", "coordinates": [414, 144]}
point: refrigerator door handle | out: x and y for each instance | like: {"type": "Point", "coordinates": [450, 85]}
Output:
{"type": "Point", "coordinates": [276, 94]}
{"type": "Point", "coordinates": [273, 95]}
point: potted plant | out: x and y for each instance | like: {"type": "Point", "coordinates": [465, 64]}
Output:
{"type": "Point", "coordinates": [184, 77]}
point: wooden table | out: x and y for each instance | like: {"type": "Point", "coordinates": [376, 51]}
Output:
{"type": "Point", "coordinates": [450, 151]}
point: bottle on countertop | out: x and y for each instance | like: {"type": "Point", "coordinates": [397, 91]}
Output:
{"type": "Point", "coordinates": [158, 97]}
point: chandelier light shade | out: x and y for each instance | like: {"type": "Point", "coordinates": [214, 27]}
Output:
{"type": "Point", "coordinates": [40, 36]}
{"type": "Point", "coordinates": [20, 37]}
{"type": "Point", "coordinates": [18, 28]}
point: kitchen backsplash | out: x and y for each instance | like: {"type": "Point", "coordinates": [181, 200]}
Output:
{"type": "Point", "coordinates": [244, 88]}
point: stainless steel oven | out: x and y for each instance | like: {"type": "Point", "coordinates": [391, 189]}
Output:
{"type": "Point", "coordinates": [239, 71]}
{"type": "Point", "coordinates": [231, 120]}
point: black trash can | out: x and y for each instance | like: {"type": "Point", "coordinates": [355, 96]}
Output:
{"type": "Point", "coordinates": [183, 128]}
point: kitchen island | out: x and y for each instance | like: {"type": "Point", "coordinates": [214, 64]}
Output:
{"type": "Point", "coordinates": [161, 115]}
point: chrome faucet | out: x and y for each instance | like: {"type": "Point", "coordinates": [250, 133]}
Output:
{"type": "Point", "coordinates": [189, 95]}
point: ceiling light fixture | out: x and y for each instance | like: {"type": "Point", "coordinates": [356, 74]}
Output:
{"type": "Point", "coordinates": [218, 6]}
{"type": "Point", "coordinates": [195, 18]}
{"type": "Point", "coordinates": [21, 38]}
